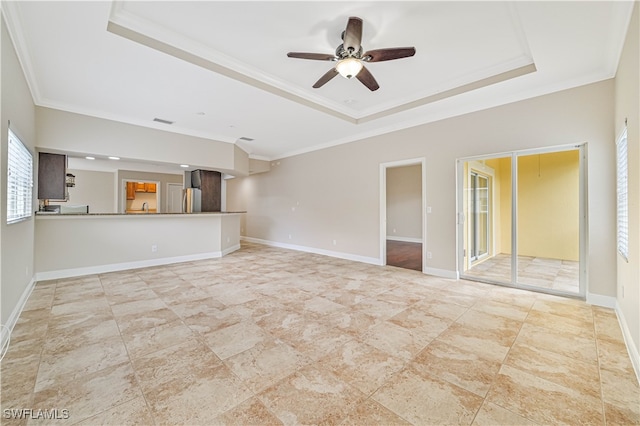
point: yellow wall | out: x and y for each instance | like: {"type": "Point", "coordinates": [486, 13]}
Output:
{"type": "Point", "coordinates": [548, 205]}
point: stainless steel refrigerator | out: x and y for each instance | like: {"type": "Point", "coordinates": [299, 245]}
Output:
{"type": "Point", "coordinates": [191, 200]}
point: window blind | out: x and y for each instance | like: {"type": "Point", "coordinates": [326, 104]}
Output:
{"type": "Point", "coordinates": [19, 180]}
{"type": "Point", "coordinates": [622, 195]}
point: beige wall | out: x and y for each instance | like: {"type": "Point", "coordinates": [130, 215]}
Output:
{"type": "Point", "coordinates": [94, 189]}
{"type": "Point", "coordinates": [93, 244]}
{"type": "Point", "coordinates": [404, 202]}
{"type": "Point", "coordinates": [61, 131]}
{"type": "Point", "coordinates": [17, 239]}
{"type": "Point", "coordinates": [333, 194]}
{"type": "Point", "coordinates": [627, 106]}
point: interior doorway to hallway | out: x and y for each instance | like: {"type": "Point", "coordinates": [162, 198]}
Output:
{"type": "Point", "coordinates": [403, 214]}
{"type": "Point", "coordinates": [522, 219]}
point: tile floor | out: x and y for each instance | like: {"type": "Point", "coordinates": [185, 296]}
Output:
{"type": "Point", "coordinates": [267, 336]}
{"type": "Point", "coordinates": [554, 274]}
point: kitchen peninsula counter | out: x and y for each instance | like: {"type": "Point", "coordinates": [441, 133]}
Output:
{"type": "Point", "coordinates": [72, 244]}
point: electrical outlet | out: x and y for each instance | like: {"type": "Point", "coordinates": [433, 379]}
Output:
{"type": "Point", "coordinates": [289, 236]}
{"type": "Point", "coordinates": [154, 248]}
{"type": "Point", "coordinates": [335, 242]}
{"type": "Point", "coordinates": [429, 255]}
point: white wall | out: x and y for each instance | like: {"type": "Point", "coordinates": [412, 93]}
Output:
{"type": "Point", "coordinates": [333, 194]}
{"type": "Point", "coordinates": [627, 92]}
{"type": "Point", "coordinates": [17, 239]}
{"type": "Point", "coordinates": [404, 203]}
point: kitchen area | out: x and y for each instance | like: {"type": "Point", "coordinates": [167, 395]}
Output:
{"type": "Point", "coordinates": [129, 219]}
{"type": "Point", "coordinates": [141, 197]}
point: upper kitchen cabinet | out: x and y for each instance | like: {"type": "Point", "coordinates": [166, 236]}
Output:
{"type": "Point", "coordinates": [210, 183]}
{"type": "Point", "coordinates": [131, 190]}
{"type": "Point", "coordinates": [52, 175]}
{"type": "Point", "coordinates": [144, 187]}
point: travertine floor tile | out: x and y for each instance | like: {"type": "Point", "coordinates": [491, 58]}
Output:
{"type": "Point", "coordinates": [491, 415]}
{"type": "Point", "coordinates": [542, 401]}
{"type": "Point", "coordinates": [311, 396]}
{"type": "Point", "coordinates": [250, 412]}
{"type": "Point", "coordinates": [232, 340]}
{"type": "Point", "coordinates": [422, 400]}
{"type": "Point", "coordinates": [362, 366]}
{"type": "Point", "coordinates": [272, 336]}
{"type": "Point", "coordinates": [371, 413]}
{"type": "Point", "coordinates": [458, 366]}
{"type": "Point", "coordinates": [90, 394]}
{"type": "Point", "coordinates": [266, 363]}
{"type": "Point", "coordinates": [134, 412]}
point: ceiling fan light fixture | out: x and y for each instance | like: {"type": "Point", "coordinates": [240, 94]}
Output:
{"type": "Point", "coordinates": [349, 67]}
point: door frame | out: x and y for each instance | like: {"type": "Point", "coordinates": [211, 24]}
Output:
{"type": "Point", "coordinates": [421, 161]}
{"type": "Point", "coordinates": [582, 205]}
{"type": "Point", "coordinates": [488, 173]}
{"type": "Point", "coordinates": [123, 193]}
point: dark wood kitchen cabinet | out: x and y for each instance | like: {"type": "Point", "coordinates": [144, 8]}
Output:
{"type": "Point", "coordinates": [210, 183]}
{"type": "Point", "coordinates": [52, 175]}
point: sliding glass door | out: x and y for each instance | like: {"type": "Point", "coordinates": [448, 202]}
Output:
{"type": "Point", "coordinates": [521, 218]}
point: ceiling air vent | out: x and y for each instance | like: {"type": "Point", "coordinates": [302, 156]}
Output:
{"type": "Point", "coordinates": [246, 139]}
{"type": "Point", "coordinates": [160, 120]}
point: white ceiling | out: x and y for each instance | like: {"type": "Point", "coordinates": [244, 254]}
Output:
{"type": "Point", "coordinates": [219, 70]}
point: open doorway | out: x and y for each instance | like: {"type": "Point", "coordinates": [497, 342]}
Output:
{"type": "Point", "coordinates": [403, 214]}
{"type": "Point", "coordinates": [523, 219]}
{"type": "Point", "coordinates": [141, 196]}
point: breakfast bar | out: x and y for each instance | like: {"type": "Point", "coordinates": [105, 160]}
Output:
{"type": "Point", "coordinates": [70, 245]}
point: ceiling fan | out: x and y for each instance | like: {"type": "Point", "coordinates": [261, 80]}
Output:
{"type": "Point", "coordinates": [350, 59]}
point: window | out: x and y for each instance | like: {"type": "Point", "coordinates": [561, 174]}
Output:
{"type": "Point", "coordinates": [622, 195]}
{"type": "Point", "coordinates": [19, 180]}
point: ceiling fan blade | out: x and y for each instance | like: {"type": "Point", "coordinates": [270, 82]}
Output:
{"type": "Point", "coordinates": [314, 56]}
{"type": "Point", "coordinates": [353, 35]}
{"type": "Point", "coordinates": [379, 55]}
{"type": "Point", "coordinates": [325, 78]}
{"type": "Point", "coordinates": [367, 79]}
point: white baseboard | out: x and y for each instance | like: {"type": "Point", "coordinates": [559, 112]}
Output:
{"type": "Point", "coordinates": [230, 249]}
{"type": "Point", "coordinates": [443, 273]}
{"type": "Point", "coordinates": [634, 354]}
{"type": "Point", "coordinates": [330, 253]}
{"type": "Point", "coordinates": [15, 314]}
{"type": "Point", "coordinates": [600, 300]}
{"type": "Point", "coordinates": [404, 239]}
{"type": "Point", "coordinates": [114, 267]}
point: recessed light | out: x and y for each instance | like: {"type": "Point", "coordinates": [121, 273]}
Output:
{"type": "Point", "coordinates": [184, 165]}
{"type": "Point", "coordinates": [114, 158]}
{"type": "Point", "coordinates": [90, 158]}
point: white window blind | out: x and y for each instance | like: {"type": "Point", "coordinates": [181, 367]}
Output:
{"type": "Point", "coordinates": [622, 195]}
{"type": "Point", "coordinates": [19, 180]}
